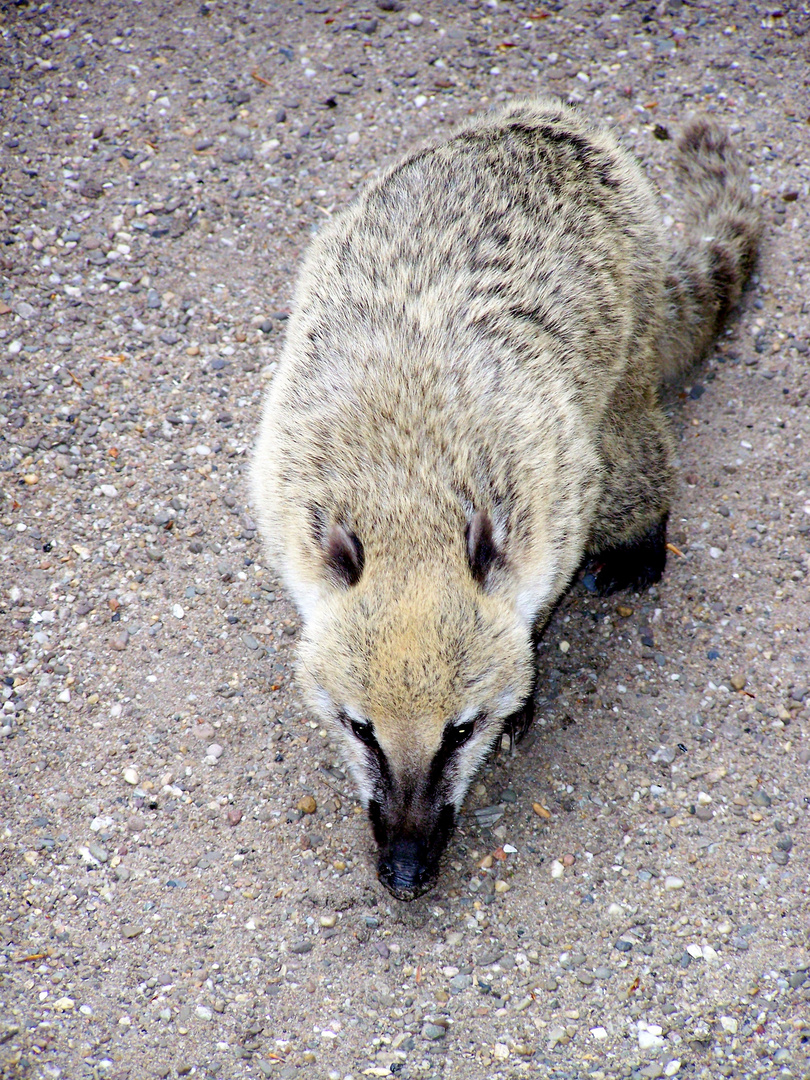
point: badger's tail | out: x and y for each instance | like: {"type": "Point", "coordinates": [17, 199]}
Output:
{"type": "Point", "coordinates": [713, 257]}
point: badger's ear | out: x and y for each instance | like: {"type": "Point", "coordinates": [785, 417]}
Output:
{"type": "Point", "coordinates": [343, 555]}
{"type": "Point", "coordinates": [481, 549]}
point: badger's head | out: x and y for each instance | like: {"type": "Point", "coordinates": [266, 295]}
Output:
{"type": "Point", "coordinates": [419, 672]}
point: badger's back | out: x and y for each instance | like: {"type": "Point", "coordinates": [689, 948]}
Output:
{"type": "Point", "coordinates": [456, 336]}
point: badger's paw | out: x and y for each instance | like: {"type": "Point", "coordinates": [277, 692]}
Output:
{"type": "Point", "coordinates": [636, 564]}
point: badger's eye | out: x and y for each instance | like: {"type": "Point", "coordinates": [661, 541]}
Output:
{"type": "Point", "coordinates": [363, 732]}
{"type": "Point", "coordinates": [457, 734]}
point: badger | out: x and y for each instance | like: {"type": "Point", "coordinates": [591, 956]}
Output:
{"type": "Point", "coordinates": [465, 411]}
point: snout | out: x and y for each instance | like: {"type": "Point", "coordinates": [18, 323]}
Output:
{"type": "Point", "coordinates": [404, 870]}
{"type": "Point", "coordinates": [408, 863]}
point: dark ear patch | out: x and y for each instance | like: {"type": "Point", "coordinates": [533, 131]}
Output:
{"type": "Point", "coordinates": [481, 550]}
{"type": "Point", "coordinates": [343, 555]}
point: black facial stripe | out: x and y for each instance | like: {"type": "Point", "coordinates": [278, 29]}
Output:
{"type": "Point", "coordinates": [364, 733]}
{"type": "Point", "coordinates": [452, 741]}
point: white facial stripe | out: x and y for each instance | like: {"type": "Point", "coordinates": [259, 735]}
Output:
{"type": "Point", "coordinates": [354, 754]}
{"type": "Point", "coordinates": [466, 715]}
{"type": "Point", "coordinates": [357, 763]}
{"type": "Point", "coordinates": [354, 715]}
{"type": "Point", "coordinates": [536, 594]}
{"type": "Point", "coordinates": [468, 762]}
{"type": "Point", "coordinates": [323, 703]}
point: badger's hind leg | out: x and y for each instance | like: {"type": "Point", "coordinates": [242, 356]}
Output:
{"type": "Point", "coordinates": [634, 564]}
{"type": "Point", "coordinates": [627, 547]}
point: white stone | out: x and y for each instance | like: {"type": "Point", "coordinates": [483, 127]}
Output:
{"type": "Point", "coordinates": [715, 552]}
{"type": "Point", "coordinates": [650, 1037]}
{"type": "Point", "coordinates": [420, 100]}
{"type": "Point", "coordinates": [88, 856]}
{"type": "Point", "coordinates": [500, 1052]}
{"type": "Point", "coordinates": [63, 696]}
{"type": "Point", "coordinates": [695, 952]}
{"type": "Point", "coordinates": [203, 1012]}
{"type": "Point", "coordinates": [672, 1067]}
{"type": "Point", "coordinates": [109, 491]}
{"type": "Point", "coordinates": [415, 19]}
{"type": "Point", "coordinates": [671, 883]}
{"type": "Point", "coordinates": [557, 869]}
{"type": "Point", "coordinates": [556, 1035]}
{"type": "Point", "coordinates": [599, 1033]}
{"type": "Point", "coordinates": [177, 611]}
{"type": "Point", "coordinates": [729, 1024]}
{"type": "Point", "coordinates": [64, 1004]}
{"type": "Point", "coordinates": [214, 752]}
{"type": "Point", "coordinates": [131, 776]}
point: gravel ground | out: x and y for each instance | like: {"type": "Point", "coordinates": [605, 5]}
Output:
{"type": "Point", "coordinates": [186, 873]}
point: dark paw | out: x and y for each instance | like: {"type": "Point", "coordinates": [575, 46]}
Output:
{"type": "Point", "coordinates": [635, 565]}
{"type": "Point", "coordinates": [519, 722]}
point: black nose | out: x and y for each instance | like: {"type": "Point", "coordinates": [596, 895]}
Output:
{"type": "Point", "coordinates": [404, 870]}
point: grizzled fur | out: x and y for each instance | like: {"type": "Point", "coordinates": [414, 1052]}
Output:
{"type": "Point", "coordinates": [466, 408]}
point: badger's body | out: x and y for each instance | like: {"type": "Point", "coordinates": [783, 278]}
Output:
{"type": "Point", "coordinates": [466, 408]}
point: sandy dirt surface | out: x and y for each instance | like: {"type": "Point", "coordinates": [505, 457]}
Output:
{"type": "Point", "coordinates": [188, 880]}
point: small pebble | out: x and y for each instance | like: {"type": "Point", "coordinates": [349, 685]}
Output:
{"type": "Point", "coordinates": [307, 805]}
{"type": "Point", "coordinates": [433, 1032]}
{"type": "Point", "coordinates": [672, 883]}
{"type": "Point", "coordinates": [131, 776]}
